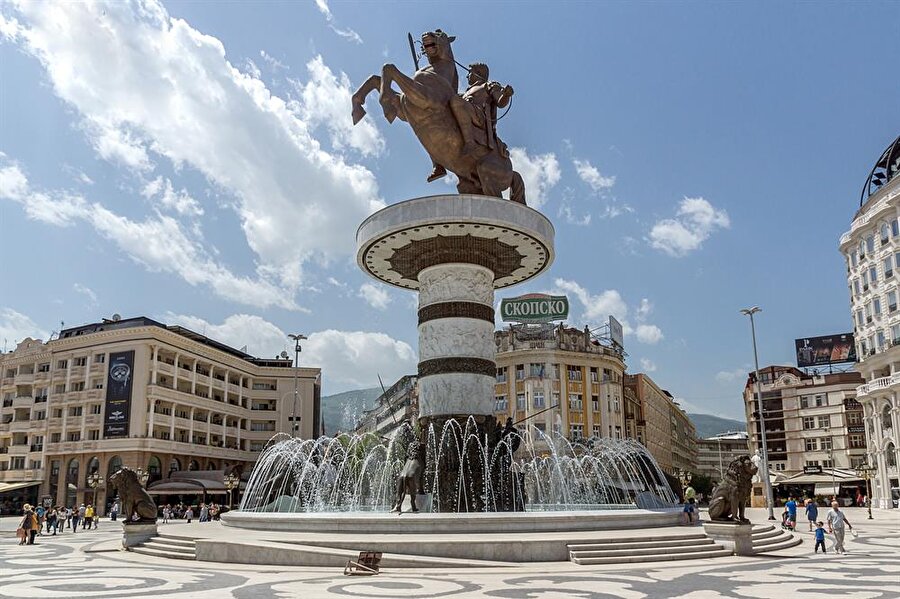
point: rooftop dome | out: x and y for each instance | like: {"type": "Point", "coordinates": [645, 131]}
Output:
{"type": "Point", "coordinates": [887, 167]}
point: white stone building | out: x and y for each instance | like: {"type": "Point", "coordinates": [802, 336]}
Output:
{"type": "Point", "coordinates": [872, 250]}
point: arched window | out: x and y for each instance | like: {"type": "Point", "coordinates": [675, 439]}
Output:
{"type": "Point", "coordinates": [194, 465]}
{"type": "Point", "coordinates": [870, 244]}
{"type": "Point", "coordinates": [72, 472]}
{"type": "Point", "coordinates": [115, 464]}
{"type": "Point", "coordinates": [154, 469]}
{"type": "Point", "coordinates": [885, 232]}
{"type": "Point", "coordinates": [886, 418]}
{"type": "Point", "coordinates": [174, 466]}
{"type": "Point", "coordinates": [211, 466]}
{"type": "Point", "coordinates": [93, 466]}
{"type": "Point", "coordinates": [890, 456]}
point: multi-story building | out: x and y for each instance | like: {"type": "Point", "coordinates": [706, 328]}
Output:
{"type": "Point", "coordinates": [872, 251]}
{"type": "Point", "coordinates": [392, 408]}
{"type": "Point", "coordinates": [811, 420]}
{"type": "Point", "coordinates": [563, 367]}
{"type": "Point", "coordinates": [142, 394]}
{"type": "Point", "coordinates": [715, 453]}
{"type": "Point", "coordinates": [667, 431]}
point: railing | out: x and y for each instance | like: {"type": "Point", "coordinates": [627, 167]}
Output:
{"type": "Point", "coordinates": [864, 219]}
{"type": "Point", "coordinates": [876, 384]}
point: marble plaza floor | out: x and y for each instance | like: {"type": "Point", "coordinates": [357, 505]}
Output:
{"type": "Point", "coordinates": [87, 565]}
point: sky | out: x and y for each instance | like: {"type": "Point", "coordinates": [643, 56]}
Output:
{"type": "Point", "coordinates": [196, 163]}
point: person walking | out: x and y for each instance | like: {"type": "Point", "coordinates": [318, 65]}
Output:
{"type": "Point", "coordinates": [791, 506]}
{"type": "Point", "coordinates": [51, 520]}
{"type": "Point", "coordinates": [812, 513]}
{"type": "Point", "coordinates": [27, 525]}
{"type": "Point", "coordinates": [114, 511]}
{"type": "Point", "coordinates": [204, 513]}
{"type": "Point", "coordinates": [75, 519]}
{"type": "Point", "coordinates": [820, 538]}
{"type": "Point", "coordinates": [836, 520]}
{"type": "Point", "coordinates": [189, 514]}
{"type": "Point", "coordinates": [88, 517]}
{"type": "Point", "coordinates": [60, 519]}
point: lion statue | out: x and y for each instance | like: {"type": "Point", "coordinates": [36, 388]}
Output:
{"type": "Point", "coordinates": [135, 499]}
{"type": "Point", "coordinates": [730, 496]}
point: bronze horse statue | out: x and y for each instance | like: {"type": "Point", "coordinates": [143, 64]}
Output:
{"type": "Point", "coordinates": [424, 101]}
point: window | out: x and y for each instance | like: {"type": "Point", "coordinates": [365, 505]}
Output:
{"type": "Point", "coordinates": [779, 466]}
{"type": "Point", "coordinates": [809, 423]}
{"type": "Point", "coordinates": [888, 267]}
{"type": "Point", "coordinates": [868, 310]}
{"type": "Point", "coordinates": [854, 258]}
{"type": "Point", "coordinates": [42, 415]}
{"type": "Point", "coordinates": [824, 421]}
{"type": "Point", "coordinates": [62, 364]}
{"type": "Point", "coordinates": [520, 402]}
{"type": "Point", "coordinates": [61, 388]}
{"type": "Point", "coordinates": [595, 403]}
{"type": "Point", "coordinates": [876, 306]}
{"type": "Point", "coordinates": [594, 374]}
{"type": "Point", "coordinates": [811, 445]}
{"type": "Point", "coordinates": [55, 437]}
{"type": "Point", "coordinates": [885, 232]}
{"type": "Point", "coordinates": [873, 275]}
{"type": "Point", "coordinates": [574, 373]}
{"type": "Point", "coordinates": [895, 229]}
{"type": "Point", "coordinates": [520, 372]}
{"type": "Point", "coordinates": [57, 413]}
{"type": "Point", "coordinates": [73, 436]}
{"type": "Point", "coordinates": [881, 340]}
{"type": "Point", "coordinates": [537, 399]}
{"type": "Point", "coordinates": [75, 411]}
{"type": "Point", "coordinates": [537, 370]}
{"type": "Point", "coordinates": [827, 463]}
{"type": "Point", "coordinates": [812, 463]}
{"type": "Point", "coordinates": [576, 431]}
{"type": "Point", "coordinates": [98, 384]}
{"type": "Point", "coordinates": [79, 386]}
{"type": "Point", "coordinates": [79, 361]}
{"type": "Point", "coordinates": [99, 358]}
{"type": "Point", "coordinates": [500, 404]}
{"type": "Point", "coordinates": [856, 288]}
{"type": "Point", "coordinates": [618, 432]}
{"type": "Point", "coordinates": [501, 375]}
{"type": "Point", "coordinates": [826, 443]}
{"type": "Point", "coordinates": [555, 397]}
{"type": "Point", "coordinates": [813, 401]}
{"type": "Point", "coordinates": [94, 434]}
{"type": "Point", "coordinates": [857, 442]}
{"type": "Point", "coordinates": [892, 300]}
{"type": "Point", "coordinates": [575, 402]}
{"type": "Point", "coordinates": [598, 430]}
{"type": "Point", "coordinates": [44, 367]}
{"type": "Point", "coordinates": [862, 248]}
{"type": "Point", "coordinates": [854, 417]}
{"type": "Point", "coordinates": [870, 244]}
{"type": "Point", "coordinates": [859, 318]}
{"type": "Point", "coordinates": [95, 408]}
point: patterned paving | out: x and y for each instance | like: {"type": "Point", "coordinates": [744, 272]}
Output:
{"type": "Point", "coordinates": [88, 565]}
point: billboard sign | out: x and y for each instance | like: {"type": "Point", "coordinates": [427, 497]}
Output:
{"type": "Point", "coordinates": [830, 349]}
{"type": "Point", "coordinates": [812, 470]}
{"type": "Point", "coordinates": [119, 382]}
{"type": "Point", "coordinates": [616, 332]}
{"type": "Point", "coordinates": [534, 308]}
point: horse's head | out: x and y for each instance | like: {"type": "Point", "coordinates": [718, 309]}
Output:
{"type": "Point", "coordinates": [436, 45]}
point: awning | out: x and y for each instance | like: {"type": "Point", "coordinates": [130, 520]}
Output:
{"type": "Point", "coordinates": [826, 489]}
{"type": "Point", "coordinates": [187, 486]}
{"type": "Point", "coordinates": [825, 478]}
{"type": "Point", "coordinates": [4, 487]}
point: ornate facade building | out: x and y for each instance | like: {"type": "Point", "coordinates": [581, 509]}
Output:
{"type": "Point", "coordinates": [715, 453]}
{"type": "Point", "coordinates": [139, 393]}
{"type": "Point", "coordinates": [872, 251]}
{"type": "Point", "coordinates": [563, 367]}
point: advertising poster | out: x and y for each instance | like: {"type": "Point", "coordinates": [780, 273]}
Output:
{"type": "Point", "coordinates": [119, 382]}
{"type": "Point", "coordinates": [830, 349]}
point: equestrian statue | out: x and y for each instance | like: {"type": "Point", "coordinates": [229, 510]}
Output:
{"type": "Point", "coordinates": [459, 131]}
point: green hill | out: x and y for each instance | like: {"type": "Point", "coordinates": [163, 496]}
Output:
{"type": "Point", "coordinates": [708, 425]}
{"type": "Point", "coordinates": [342, 411]}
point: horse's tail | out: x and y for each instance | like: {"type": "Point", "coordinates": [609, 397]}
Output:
{"type": "Point", "coordinates": [517, 188]}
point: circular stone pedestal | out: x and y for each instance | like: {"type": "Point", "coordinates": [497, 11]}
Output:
{"type": "Point", "coordinates": [455, 250]}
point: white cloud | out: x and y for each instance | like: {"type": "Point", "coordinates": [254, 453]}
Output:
{"type": "Point", "coordinates": [696, 220]}
{"type": "Point", "coordinates": [158, 242]}
{"type": "Point", "coordinates": [170, 92]}
{"type": "Point", "coordinates": [596, 308]}
{"type": "Point", "coordinates": [649, 334]}
{"type": "Point", "coordinates": [180, 201]}
{"type": "Point", "coordinates": [262, 338]}
{"type": "Point", "coordinates": [325, 99]}
{"type": "Point", "coordinates": [376, 296]}
{"type": "Point", "coordinates": [15, 326]}
{"type": "Point", "coordinates": [540, 173]}
{"type": "Point", "coordinates": [346, 33]}
{"type": "Point", "coordinates": [88, 293]}
{"type": "Point", "coordinates": [730, 376]}
{"type": "Point", "coordinates": [273, 62]}
{"type": "Point", "coordinates": [566, 212]}
{"type": "Point", "coordinates": [648, 365]}
{"type": "Point", "coordinates": [354, 359]}
{"type": "Point", "coordinates": [590, 175]}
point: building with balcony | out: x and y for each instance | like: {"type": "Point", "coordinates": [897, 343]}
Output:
{"type": "Point", "coordinates": [663, 427]}
{"type": "Point", "coordinates": [812, 421]}
{"type": "Point", "coordinates": [392, 408]}
{"type": "Point", "coordinates": [871, 249]}
{"type": "Point", "coordinates": [715, 453]}
{"type": "Point", "coordinates": [139, 393]}
{"type": "Point", "coordinates": [559, 380]}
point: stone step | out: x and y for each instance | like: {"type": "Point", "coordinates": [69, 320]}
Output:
{"type": "Point", "coordinates": [179, 541]}
{"type": "Point", "coordinates": [640, 544]}
{"type": "Point", "coordinates": [771, 540]}
{"type": "Point", "coordinates": [782, 544]}
{"type": "Point", "coordinates": [646, 551]}
{"type": "Point", "coordinates": [769, 534]}
{"type": "Point", "coordinates": [162, 546]}
{"type": "Point", "coordinates": [659, 557]}
{"type": "Point", "coordinates": [651, 538]}
{"type": "Point", "coordinates": [760, 528]}
{"type": "Point", "coordinates": [144, 550]}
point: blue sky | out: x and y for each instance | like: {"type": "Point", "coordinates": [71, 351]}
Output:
{"type": "Point", "coordinates": [195, 162]}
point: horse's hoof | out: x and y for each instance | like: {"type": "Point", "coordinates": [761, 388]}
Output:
{"type": "Point", "coordinates": [358, 113]}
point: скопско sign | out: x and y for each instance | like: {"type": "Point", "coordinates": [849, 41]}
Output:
{"type": "Point", "coordinates": [534, 307]}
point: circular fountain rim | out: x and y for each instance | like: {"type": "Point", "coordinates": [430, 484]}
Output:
{"type": "Point", "coordinates": [455, 523]}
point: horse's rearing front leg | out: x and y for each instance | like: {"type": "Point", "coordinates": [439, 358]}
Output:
{"type": "Point", "coordinates": [359, 97]}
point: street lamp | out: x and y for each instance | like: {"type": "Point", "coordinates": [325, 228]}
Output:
{"type": "Point", "coordinates": [865, 471]}
{"type": "Point", "coordinates": [231, 481]}
{"type": "Point", "coordinates": [142, 476]}
{"type": "Point", "coordinates": [298, 337]}
{"type": "Point", "coordinates": [93, 481]}
{"type": "Point", "coordinates": [764, 462]}
{"type": "Point", "coordinates": [831, 459]}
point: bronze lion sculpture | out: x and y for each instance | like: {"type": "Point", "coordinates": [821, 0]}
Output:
{"type": "Point", "coordinates": [730, 496]}
{"type": "Point", "coordinates": [135, 499]}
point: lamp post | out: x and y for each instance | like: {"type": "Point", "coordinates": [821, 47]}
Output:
{"type": "Point", "coordinates": [831, 459]}
{"type": "Point", "coordinates": [767, 484]}
{"type": "Point", "coordinates": [721, 471]}
{"type": "Point", "coordinates": [231, 481]}
{"type": "Point", "coordinates": [865, 470]}
{"type": "Point", "coordinates": [93, 481]}
{"type": "Point", "coordinates": [298, 337]}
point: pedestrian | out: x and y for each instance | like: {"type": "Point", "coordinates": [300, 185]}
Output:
{"type": "Point", "coordinates": [68, 517]}
{"type": "Point", "coordinates": [836, 521]}
{"type": "Point", "coordinates": [39, 513]}
{"type": "Point", "coordinates": [75, 519]}
{"type": "Point", "coordinates": [812, 513]}
{"type": "Point", "coordinates": [60, 519]}
{"type": "Point", "coordinates": [82, 510]}
{"type": "Point", "coordinates": [114, 512]}
{"type": "Point", "coordinates": [791, 506]}
{"type": "Point", "coordinates": [25, 531]}
{"type": "Point", "coordinates": [51, 520]}
{"type": "Point", "coordinates": [88, 517]}
{"type": "Point", "coordinates": [167, 512]}
{"type": "Point", "coordinates": [820, 537]}
{"type": "Point", "coordinates": [189, 514]}
{"type": "Point", "coordinates": [204, 513]}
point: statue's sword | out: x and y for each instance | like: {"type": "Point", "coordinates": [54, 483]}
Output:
{"type": "Point", "coordinates": [412, 48]}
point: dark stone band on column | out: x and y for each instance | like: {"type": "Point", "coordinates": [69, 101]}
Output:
{"type": "Point", "coordinates": [456, 310]}
{"type": "Point", "coordinates": [458, 365]}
